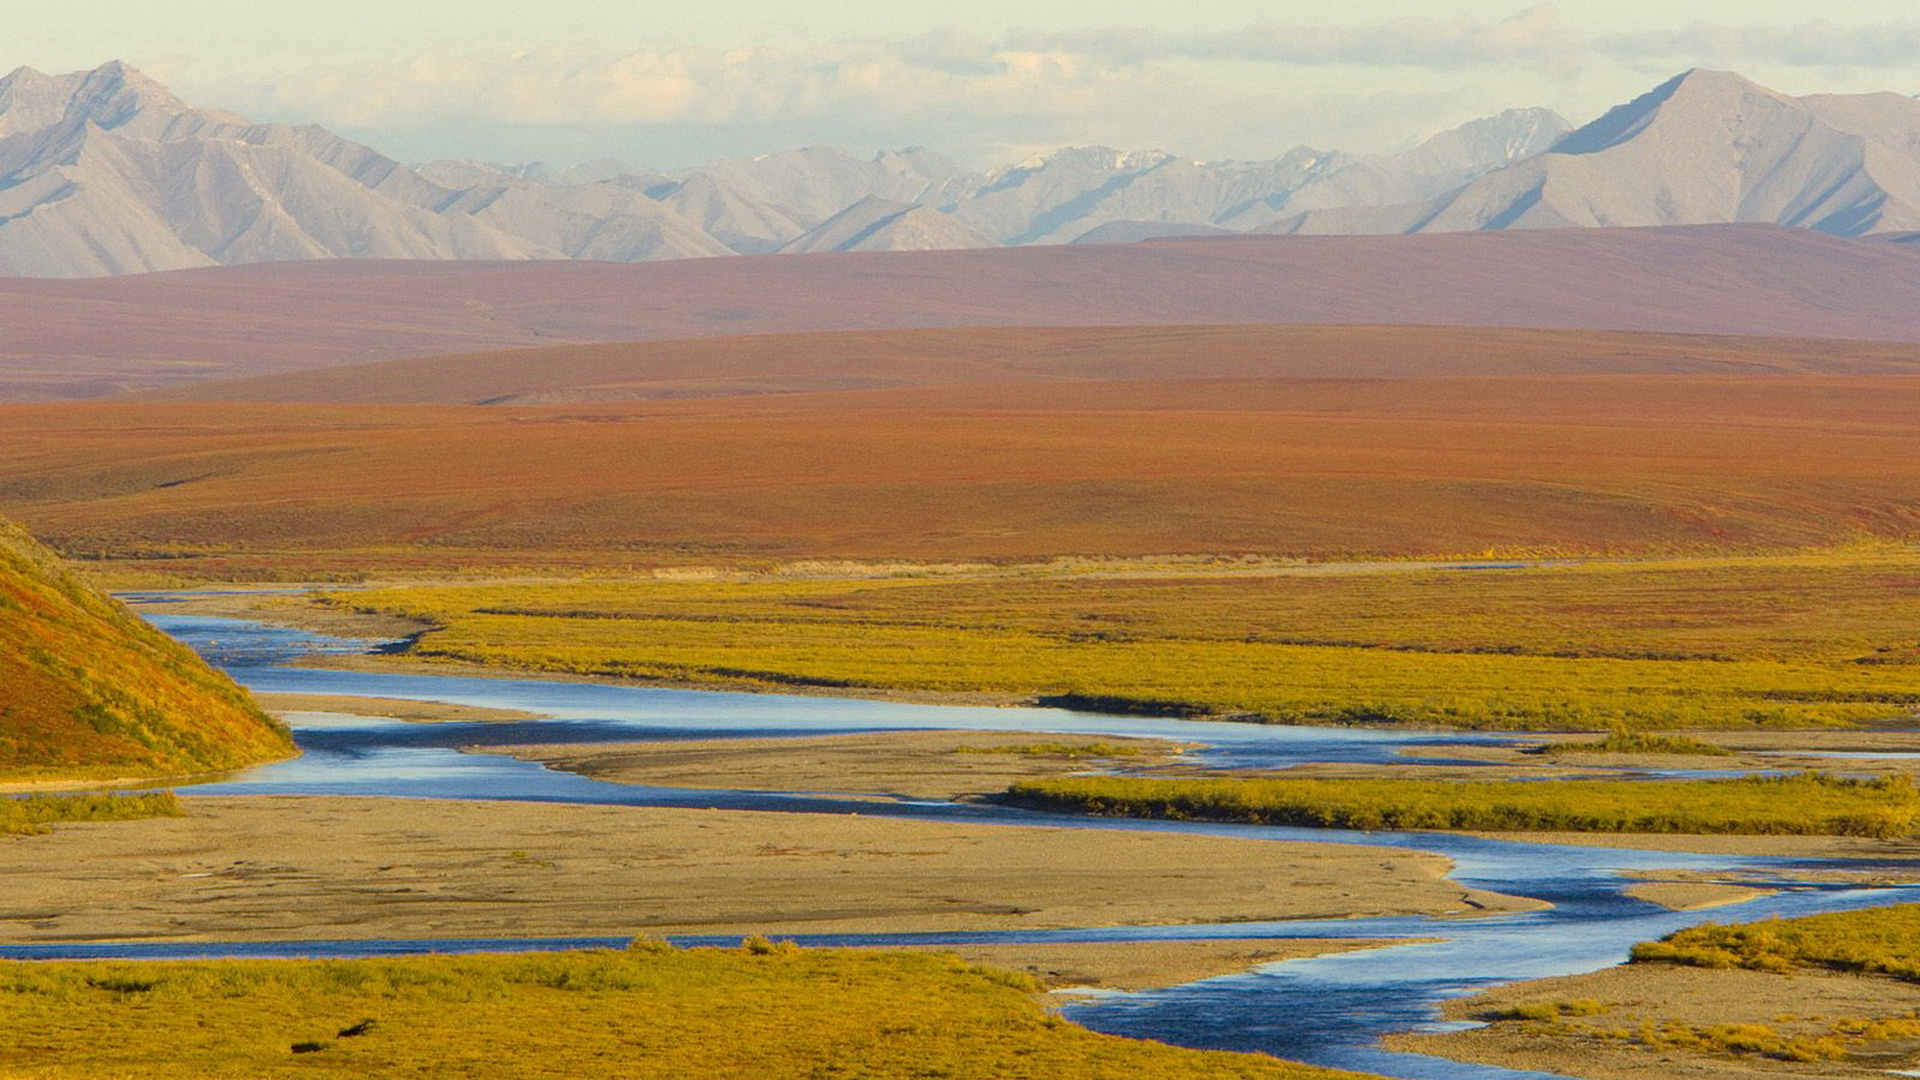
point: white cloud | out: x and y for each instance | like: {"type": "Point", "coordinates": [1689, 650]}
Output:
{"type": "Point", "coordinates": [987, 98]}
{"type": "Point", "coordinates": [1539, 36]}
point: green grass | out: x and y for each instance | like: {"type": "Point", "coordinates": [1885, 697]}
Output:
{"type": "Point", "coordinates": [765, 1012]}
{"type": "Point", "coordinates": [1821, 640]}
{"type": "Point", "coordinates": [1878, 940]}
{"type": "Point", "coordinates": [38, 813]}
{"type": "Point", "coordinates": [1804, 804]}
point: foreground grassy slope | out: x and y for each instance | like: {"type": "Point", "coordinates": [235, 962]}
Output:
{"type": "Point", "coordinates": [765, 1013]}
{"type": "Point", "coordinates": [1813, 640]}
{"type": "Point", "coordinates": [89, 691]}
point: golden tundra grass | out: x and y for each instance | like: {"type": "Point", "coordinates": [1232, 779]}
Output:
{"type": "Point", "coordinates": [38, 813]}
{"type": "Point", "coordinates": [1803, 804]}
{"type": "Point", "coordinates": [1824, 639]}
{"type": "Point", "coordinates": [88, 691]}
{"type": "Point", "coordinates": [763, 1012]}
{"type": "Point", "coordinates": [1878, 940]}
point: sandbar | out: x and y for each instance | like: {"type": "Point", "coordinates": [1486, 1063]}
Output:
{"type": "Point", "coordinates": [302, 868]}
{"type": "Point", "coordinates": [945, 765]}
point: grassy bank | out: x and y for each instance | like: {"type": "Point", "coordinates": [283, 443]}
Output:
{"type": "Point", "coordinates": [1807, 641]}
{"type": "Point", "coordinates": [1798, 805]}
{"type": "Point", "coordinates": [38, 813]}
{"type": "Point", "coordinates": [763, 1011]}
{"type": "Point", "coordinates": [1880, 940]}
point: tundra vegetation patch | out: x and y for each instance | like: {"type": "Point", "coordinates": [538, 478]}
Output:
{"type": "Point", "coordinates": [88, 691]}
{"type": "Point", "coordinates": [767, 1010]}
{"type": "Point", "coordinates": [1813, 640]}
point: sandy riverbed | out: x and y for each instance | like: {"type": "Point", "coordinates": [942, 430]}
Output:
{"type": "Point", "coordinates": [914, 764]}
{"type": "Point", "coordinates": [285, 868]}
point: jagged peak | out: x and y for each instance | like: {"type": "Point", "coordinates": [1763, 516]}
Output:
{"type": "Point", "coordinates": [1697, 85]}
{"type": "Point", "coordinates": [109, 97]}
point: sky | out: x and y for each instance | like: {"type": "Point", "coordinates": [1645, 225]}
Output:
{"type": "Point", "coordinates": [984, 81]}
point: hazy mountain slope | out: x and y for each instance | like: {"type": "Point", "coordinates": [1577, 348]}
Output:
{"type": "Point", "coordinates": [745, 226]}
{"type": "Point", "coordinates": [585, 221]}
{"type": "Point", "coordinates": [89, 691]}
{"type": "Point", "coordinates": [813, 184]}
{"type": "Point", "coordinates": [1438, 165]}
{"type": "Point", "coordinates": [105, 172]}
{"type": "Point", "coordinates": [1706, 147]}
{"type": "Point", "coordinates": [876, 224]}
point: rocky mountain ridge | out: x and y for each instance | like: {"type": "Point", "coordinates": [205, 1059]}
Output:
{"type": "Point", "coordinates": [106, 172]}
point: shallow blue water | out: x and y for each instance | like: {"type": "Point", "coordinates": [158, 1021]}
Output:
{"type": "Point", "coordinates": [1330, 1010]}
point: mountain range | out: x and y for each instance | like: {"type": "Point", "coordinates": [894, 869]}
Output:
{"type": "Point", "coordinates": [106, 172]}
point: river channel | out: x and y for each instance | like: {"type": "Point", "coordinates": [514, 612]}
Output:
{"type": "Point", "coordinates": [1329, 1010]}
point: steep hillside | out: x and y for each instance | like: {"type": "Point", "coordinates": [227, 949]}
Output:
{"type": "Point", "coordinates": [89, 691]}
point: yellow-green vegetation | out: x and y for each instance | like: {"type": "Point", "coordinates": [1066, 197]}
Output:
{"type": "Point", "coordinates": [38, 813]}
{"type": "Point", "coordinates": [1836, 1042]}
{"type": "Point", "coordinates": [1058, 749]}
{"type": "Point", "coordinates": [89, 691]}
{"type": "Point", "coordinates": [1877, 940]}
{"type": "Point", "coordinates": [765, 1011]}
{"type": "Point", "coordinates": [1802, 804]}
{"type": "Point", "coordinates": [1550, 1010]}
{"type": "Point", "coordinates": [1823, 639]}
{"type": "Point", "coordinates": [1641, 742]}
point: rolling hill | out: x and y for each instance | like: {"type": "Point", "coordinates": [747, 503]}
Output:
{"type": "Point", "coordinates": [1322, 467]}
{"type": "Point", "coordinates": [90, 692]}
{"type": "Point", "coordinates": [889, 359]}
{"type": "Point", "coordinates": [77, 339]}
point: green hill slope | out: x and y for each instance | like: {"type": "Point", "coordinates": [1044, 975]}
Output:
{"type": "Point", "coordinates": [89, 691]}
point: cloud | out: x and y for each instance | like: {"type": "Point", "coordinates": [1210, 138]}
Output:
{"type": "Point", "coordinates": [1250, 93]}
{"type": "Point", "coordinates": [1535, 35]}
{"type": "Point", "coordinates": [1815, 44]}
{"type": "Point", "coordinates": [1538, 36]}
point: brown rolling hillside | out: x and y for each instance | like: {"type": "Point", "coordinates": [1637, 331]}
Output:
{"type": "Point", "coordinates": [68, 339]}
{"type": "Point", "coordinates": [88, 691]}
{"type": "Point", "coordinates": [1319, 467]}
{"type": "Point", "coordinates": [892, 359]}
